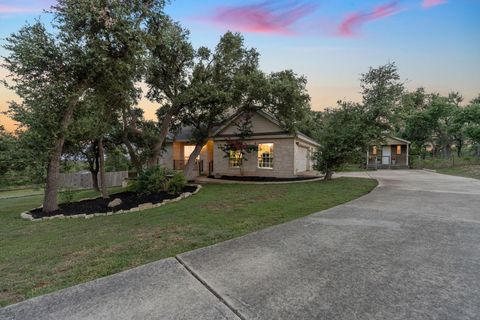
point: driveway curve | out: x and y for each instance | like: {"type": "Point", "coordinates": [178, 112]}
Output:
{"type": "Point", "coordinates": [408, 250]}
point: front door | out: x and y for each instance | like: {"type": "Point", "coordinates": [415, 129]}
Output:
{"type": "Point", "coordinates": [386, 155]}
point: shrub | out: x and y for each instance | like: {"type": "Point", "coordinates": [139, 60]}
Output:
{"type": "Point", "coordinates": [132, 185]}
{"type": "Point", "coordinates": [176, 183]}
{"type": "Point", "coordinates": [158, 179]}
{"type": "Point", "coordinates": [152, 180]}
{"type": "Point", "coordinates": [67, 195]}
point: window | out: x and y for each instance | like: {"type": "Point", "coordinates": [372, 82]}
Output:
{"type": "Point", "coordinates": [265, 155]}
{"type": "Point", "coordinates": [399, 149]}
{"type": "Point", "coordinates": [234, 159]}
{"type": "Point", "coordinates": [374, 151]}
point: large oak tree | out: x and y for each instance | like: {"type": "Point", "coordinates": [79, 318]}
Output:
{"type": "Point", "coordinates": [94, 44]}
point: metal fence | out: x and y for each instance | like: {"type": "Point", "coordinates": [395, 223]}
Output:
{"type": "Point", "coordinates": [84, 179]}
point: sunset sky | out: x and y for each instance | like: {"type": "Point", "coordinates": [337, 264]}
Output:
{"type": "Point", "coordinates": [435, 43]}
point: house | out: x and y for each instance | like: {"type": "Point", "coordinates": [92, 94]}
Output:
{"type": "Point", "coordinates": [393, 153]}
{"type": "Point", "coordinates": [278, 153]}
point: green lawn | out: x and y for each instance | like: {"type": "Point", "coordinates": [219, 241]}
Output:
{"type": "Point", "coordinates": [18, 193]}
{"type": "Point", "coordinates": [465, 171]}
{"type": "Point", "coordinates": [351, 168]}
{"type": "Point", "coordinates": [40, 257]}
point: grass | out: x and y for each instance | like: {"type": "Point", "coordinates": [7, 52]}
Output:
{"type": "Point", "coordinates": [351, 168]}
{"type": "Point", "coordinates": [20, 193]}
{"type": "Point", "coordinates": [443, 163]}
{"type": "Point", "coordinates": [41, 257]}
{"type": "Point", "coordinates": [465, 171]}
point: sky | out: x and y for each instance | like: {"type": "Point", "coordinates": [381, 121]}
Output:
{"type": "Point", "coordinates": [435, 43]}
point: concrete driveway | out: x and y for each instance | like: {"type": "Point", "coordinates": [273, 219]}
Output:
{"type": "Point", "coordinates": [408, 250]}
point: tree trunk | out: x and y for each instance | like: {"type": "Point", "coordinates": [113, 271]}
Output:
{"type": "Point", "coordinates": [459, 149]}
{"type": "Point", "coordinates": [94, 174]}
{"type": "Point", "coordinates": [101, 156]}
{"type": "Point", "coordinates": [50, 202]}
{"type": "Point", "coordinates": [131, 151]}
{"type": "Point", "coordinates": [133, 156]}
{"type": "Point", "coordinates": [190, 167]}
{"type": "Point", "coordinates": [447, 151]}
{"type": "Point", "coordinates": [92, 159]}
{"type": "Point", "coordinates": [328, 174]}
{"type": "Point", "coordinates": [167, 120]}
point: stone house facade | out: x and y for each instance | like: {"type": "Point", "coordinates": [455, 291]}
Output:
{"type": "Point", "coordinates": [280, 154]}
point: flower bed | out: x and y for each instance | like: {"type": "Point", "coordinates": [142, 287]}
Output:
{"type": "Point", "coordinates": [128, 202]}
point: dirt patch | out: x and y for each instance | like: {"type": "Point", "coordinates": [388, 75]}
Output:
{"type": "Point", "coordinates": [11, 297]}
{"type": "Point", "coordinates": [70, 260]}
{"type": "Point", "coordinates": [159, 232]}
{"type": "Point", "coordinates": [42, 284]}
{"type": "Point", "coordinates": [130, 200]}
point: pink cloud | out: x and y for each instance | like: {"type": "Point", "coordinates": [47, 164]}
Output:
{"type": "Point", "coordinates": [265, 17]}
{"type": "Point", "coordinates": [432, 3]}
{"type": "Point", "coordinates": [351, 25]}
{"type": "Point", "coordinates": [15, 9]}
{"type": "Point", "coordinates": [26, 6]}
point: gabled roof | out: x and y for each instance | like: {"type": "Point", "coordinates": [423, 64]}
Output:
{"type": "Point", "coordinates": [234, 117]}
{"type": "Point", "coordinates": [185, 133]}
{"type": "Point", "coordinates": [270, 118]}
{"type": "Point", "coordinates": [307, 138]}
{"type": "Point", "coordinates": [399, 139]}
{"type": "Point", "coordinates": [394, 138]}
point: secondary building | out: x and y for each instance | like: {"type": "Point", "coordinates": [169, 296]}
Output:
{"type": "Point", "coordinates": [392, 154]}
{"type": "Point", "coordinates": [277, 152]}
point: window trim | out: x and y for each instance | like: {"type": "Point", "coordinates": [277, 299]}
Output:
{"type": "Point", "coordinates": [272, 161]}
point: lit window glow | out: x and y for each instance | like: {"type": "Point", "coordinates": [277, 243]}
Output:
{"type": "Point", "coordinates": [265, 155]}
{"type": "Point", "coordinates": [399, 149]}
{"type": "Point", "coordinates": [234, 159]}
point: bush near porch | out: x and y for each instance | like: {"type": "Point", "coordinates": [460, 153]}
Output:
{"type": "Point", "coordinates": [41, 257]}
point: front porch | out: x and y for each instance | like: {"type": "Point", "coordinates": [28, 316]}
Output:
{"type": "Point", "coordinates": [181, 152]}
{"type": "Point", "coordinates": [391, 156]}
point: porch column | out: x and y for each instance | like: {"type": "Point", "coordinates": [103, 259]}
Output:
{"type": "Point", "coordinates": [408, 151]}
{"type": "Point", "coordinates": [368, 157]}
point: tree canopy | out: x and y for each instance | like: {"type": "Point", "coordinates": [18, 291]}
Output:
{"type": "Point", "coordinates": [81, 82]}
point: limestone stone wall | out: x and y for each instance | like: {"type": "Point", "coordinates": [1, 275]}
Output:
{"type": "Point", "coordinates": [283, 163]}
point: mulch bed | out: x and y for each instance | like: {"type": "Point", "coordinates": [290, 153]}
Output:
{"type": "Point", "coordinates": [266, 179]}
{"type": "Point", "coordinates": [130, 200]}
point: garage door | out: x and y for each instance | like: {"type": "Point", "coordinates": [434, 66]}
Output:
{"type": "Point", "coordinates": [302, 162]}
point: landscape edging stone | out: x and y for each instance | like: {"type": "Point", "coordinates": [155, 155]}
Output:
{"type": "Point", "coordinates": [141, 207]}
